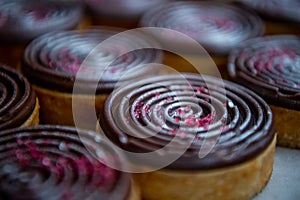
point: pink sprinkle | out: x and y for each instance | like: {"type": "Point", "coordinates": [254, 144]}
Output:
{"type": "Point", "coordinates": [190, 120]}
{"type": "Point", "coordinates": [187, 108]}
{"type": "Point", "coordinates": [46, 162]}
{"type": "Point", "coordinates": [173, 132]}
{"type": "Point", "coordinates": [182, 134]}
{"type": "Point", "coordinates": [177, 119]}
{"type": "Point", "coordinates": [19, 141]}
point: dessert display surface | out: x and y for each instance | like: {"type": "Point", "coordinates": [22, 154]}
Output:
{"type": "Point", "coordinates": [89, 113]}
{"type": "Point", "coordinates": [285, 179]}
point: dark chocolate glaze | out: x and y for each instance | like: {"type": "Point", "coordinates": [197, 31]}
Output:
{"type": "Point", "coordinates": [271, 67]}
{"type": "Point", "coordinates": [53, 60]}
{"type": "Point", "coordinates": [218, 27]}
{"type": "Point", "coordinates": [279, 10]}
{"type": "Point", "coordinates": [51, 162]}
{"type": "Point", "coordinates": [17, 99]}
{"type": "Point", "coordinates": [159, 108]}
{"type": "Point", "coordinates": [23, 20]}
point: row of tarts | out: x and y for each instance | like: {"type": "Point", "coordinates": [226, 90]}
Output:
{"type": "Point", "coordinates": [115, 124]}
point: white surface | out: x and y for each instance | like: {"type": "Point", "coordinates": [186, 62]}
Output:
{"type": "Point", "coordinates": [285, 181]}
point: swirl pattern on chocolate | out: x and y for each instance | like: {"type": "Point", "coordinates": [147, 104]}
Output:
{"type": "Point", "coordinates": [54, 59]}
{"type": "Point", "coordinates": [147, 115]}
{"type": "Point", "coordinates": [17, 99]}
{"type": "Point", "coordinates": [23, 20]}
{"type": "Point", "coordinates": [218, 27]}
{"type": "Point", "coordinates": [278, 9]}
{"type": "Point", "coordinates": [271, 67]}
{"type": "Point", "coordinates": [51, 162]}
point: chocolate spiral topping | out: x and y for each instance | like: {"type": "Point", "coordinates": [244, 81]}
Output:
{"type": "Point", "coordinates": [17, 99]}
{"type": "Point", "coordinates": [23, 20]}
{"type": "Point", "coordinates": [53, 60]}
{"type": "Point", "coordinates": [271, 67]}
{"type": "Point", "coordinates": [51, 162]}
{"type": "Point", "coordinates": [277, 9]}
{"type": "Point", "coordinates": [218, 27]}
{"type": "Point", "coordinates": [146, 116]}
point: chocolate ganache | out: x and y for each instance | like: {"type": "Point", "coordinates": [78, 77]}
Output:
{"type": "Point", "coordinates": [51, 162]}
{"type": "Point", "coordinates": [53, 60]}
{"type": "Point", "coordinates": [146, 116]}
{"type": "Point", "coordinates": [270, 66]}
{"type": "Point", "coordinates": [217, 26]}
{"type": "Point", "coordinates": [23, 20]}
{"type": "Point", "coordinates": [17, 99]}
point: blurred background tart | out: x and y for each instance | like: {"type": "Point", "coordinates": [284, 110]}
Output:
{"type": "Point", "coordinates": [218, 27]}
{"type": "Point", "coordinates": [18, 103]}
{"type": "Point", "coordinates": [68, 70]}
{"type": "Point", "coordinates": [280, 16]}
{"type": "Point", "coordinates": [270, 66]}
{"type": "Point", "coordinates": [121, 13]}
{"type": "Point", "coordinates": [23, 20]}
{"type": "Point", "coordinates": [53, 162]}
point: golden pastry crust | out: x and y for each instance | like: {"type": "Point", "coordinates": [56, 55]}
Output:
{"type": "Point", "coordinates": [237, 182]}
{"type": "Point", "coordinates": [34, 117]}
{"type": "Point", "coordinates": [181, 65]}
{"type": "Point", "coordinates": [287, 126]}
{"type": "Point", "coordinates": [56, 107]}
{"type": "Point", "coordinates": [135, 193]}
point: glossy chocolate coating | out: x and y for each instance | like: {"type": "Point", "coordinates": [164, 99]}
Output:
{"type": "Point", "coordinates": [23, 20]}
{"type": "Point", "coordinates": [217, 26]}
{"type": "Point", "coordinates": [52, 162]}
{"type": "Point", "coordinates": [17, 99]}
{"type": "Point", "coordinates": [145, 116]}
{"type": "Point", "coordinates": [270, 66]}
{"type": "Point", "coordinates": [53, 60]}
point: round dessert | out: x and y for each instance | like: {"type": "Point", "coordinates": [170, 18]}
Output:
{"type": "Point", "coordinates": [18, 103]}
{"type": "Point", "coordinates": [281, 16]}
{"type": "Point", "coordinates": [24, 20]}
{"type": "Point", "coordinates": [270, 66]}
{"type": "Point", "coordinates": [121, 13]}
{"type": "Point", "coordinates": [217, 26]}
{"type": "Point", "coordinates": [57, 61]}
{"type": "Point", "coordinates": [51, 162]}
{"type": "Point", "coordinates": [193, 137]}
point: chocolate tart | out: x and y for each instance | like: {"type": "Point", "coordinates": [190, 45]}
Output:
{"type": "Point", "coordinates": [121, 13]}
{"type": "Point", "coordinates": [23, 20]}
{"type": "Point", "coordinates": [58, 62]}
{"type": "Point", "coordinates": [18, 103]}
{"type": "Point", "coordinates": [217, 26]}
{"type": "Point", "coordinates": [270, 67]}
{"type": "Point", "coordinates": [52, 162]}
{"type": "Point", "coordinates": [280, 16]}
{"type": "Point", "coordinates": [220, 136]}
